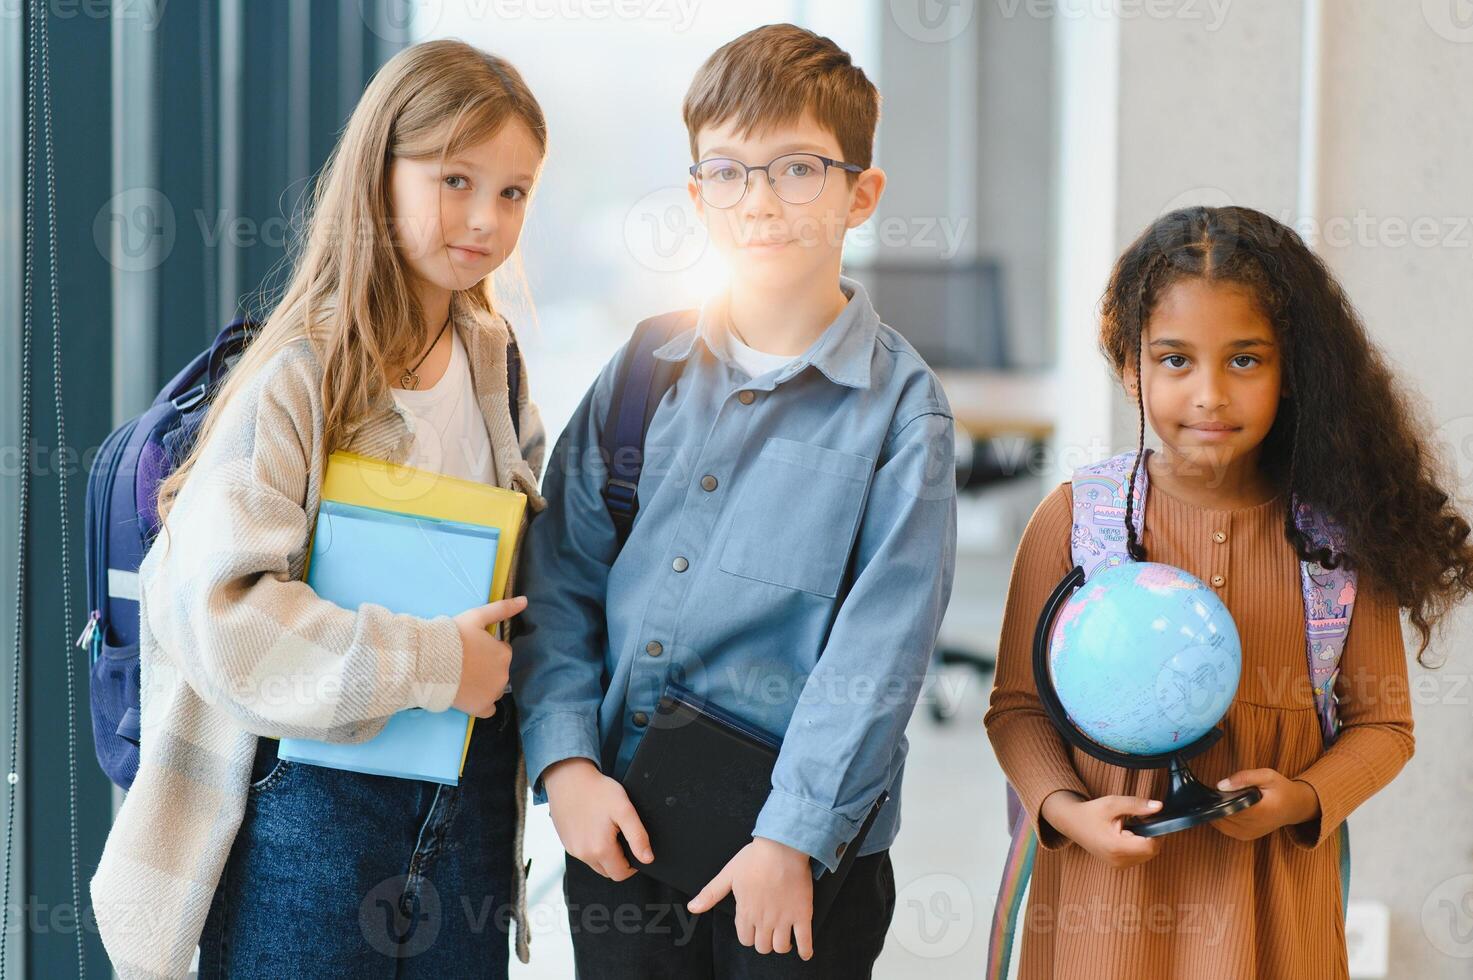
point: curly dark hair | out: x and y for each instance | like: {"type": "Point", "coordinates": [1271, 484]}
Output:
{"type": "Point", "coordinates": [1346, 440]}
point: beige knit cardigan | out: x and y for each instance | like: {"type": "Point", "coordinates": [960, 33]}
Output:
{"type": "Point", "coordinates": [234, 645]}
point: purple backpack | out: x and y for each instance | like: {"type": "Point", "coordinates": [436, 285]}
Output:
{"type": "Point", "coordinates": [1098, 540]}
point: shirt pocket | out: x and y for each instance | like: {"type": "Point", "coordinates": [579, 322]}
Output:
{"type": "Point", "coordinates": [795, 516]}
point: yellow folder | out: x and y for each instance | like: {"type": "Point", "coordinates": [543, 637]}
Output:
{"type": "Point", "coordinates": [366, 482]}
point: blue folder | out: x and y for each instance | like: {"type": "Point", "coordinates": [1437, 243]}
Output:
{"type": "Point", "coordinates": [417, 565]}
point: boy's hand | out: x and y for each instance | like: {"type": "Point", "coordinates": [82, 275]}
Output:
{"type": "Point", "coordinates": [590, 810]}
{"type": "Point", "coordinates": [1098, 826]}
{"type": "Point", "coordinates": [485, 661]}
{"type": "Point", "coordinates": [1285, 802]}
{"type": "Point", "coordinates": [773, 885]}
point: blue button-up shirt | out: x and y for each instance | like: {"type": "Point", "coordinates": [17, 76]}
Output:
{"type": "Point", "coordinates": [791, 562]}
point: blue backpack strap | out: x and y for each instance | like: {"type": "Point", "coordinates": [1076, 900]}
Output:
{"type": "Point", "coordinates": [640, 382]}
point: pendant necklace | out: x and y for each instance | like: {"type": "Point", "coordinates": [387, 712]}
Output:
{"type": "Point", "coordinates": [409, 379]}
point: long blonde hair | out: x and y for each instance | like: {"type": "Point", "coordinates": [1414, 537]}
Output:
{"type": "Point", "coordinates": [348, 291]}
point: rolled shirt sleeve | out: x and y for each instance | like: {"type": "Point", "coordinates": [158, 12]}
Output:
{"type": "Point", "coordinates": [842, 746]}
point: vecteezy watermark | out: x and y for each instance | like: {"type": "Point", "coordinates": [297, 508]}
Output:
{"type": "Point", "coordinates": [398, 920]}
{"type": "Point", "coordinates": [402, 23]}
{"type": "Point", "coordinates": [290, 697]}
{"type": "Point", "coordinates": [1290, 684]}
{"type": "Point", "coordinates": [1212, 13]}
{"type": "Point", "coordinates": [1359, 229]}
{"type": "Point", "coordinates": [1012, 456]}
{"type": "Point", "coordinates": [1454, 439]}
{"type": "Point", "coordinates": [680, 14]}
{"type": "Point", "coordinates": [1450, 19]}
{"type": "Point", "coordinates": [37, 460]}
{"type": "Point", "coordinates": [39, 918]}
{"type": "Point", "coordinates": [662, 233]}
{"type": "Point", "coordinates": [399, 23]}
{"type": "Point", "coordinates": [1098, 917]}
{"type": "Point", "coordinates": [940, 235]}
{"type": "Point", "coordinates": [135, 229]}
{"type": "Point", "coordinates": [934, 916]}
{"type": "Point", "coordinates": [150, 12]}
{"type": "Point", "coordinates": [1447, 917]}
{"type": "Point", "coordinates": [630, 919]}
{"type": "Point", "coordinates": [932, 21]}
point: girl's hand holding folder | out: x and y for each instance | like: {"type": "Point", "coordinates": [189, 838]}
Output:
{"type": "Point", "coordinates": [486, 661]}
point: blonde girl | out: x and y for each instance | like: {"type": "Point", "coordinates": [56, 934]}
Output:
{"type": "Point", "coordinates": [387, 342]}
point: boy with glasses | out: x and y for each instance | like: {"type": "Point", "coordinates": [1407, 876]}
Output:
{"type": "Point", "coordinates": [791, 560]}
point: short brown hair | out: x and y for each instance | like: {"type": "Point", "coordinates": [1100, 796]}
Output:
{"type": "Point", "coordinates": [773, 75]}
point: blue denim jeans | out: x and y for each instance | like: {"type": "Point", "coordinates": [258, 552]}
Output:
{"type": "Point", "coordinates": [339, 874]}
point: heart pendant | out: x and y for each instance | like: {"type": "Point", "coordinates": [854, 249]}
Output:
{"type": "Point", "coordinates": [409, 380]}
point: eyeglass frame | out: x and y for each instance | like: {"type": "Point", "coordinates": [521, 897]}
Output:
{"type": "Point", "coordinates": [827, 162]}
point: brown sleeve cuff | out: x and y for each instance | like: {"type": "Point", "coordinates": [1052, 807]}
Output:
{"type": "Point", "coordinates": [1343, 779]}
{"type": "Point", "coordinates": [1037, 765]}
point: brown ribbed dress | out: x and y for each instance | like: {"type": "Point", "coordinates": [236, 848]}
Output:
{"type": "Point", "coordinates": [1206, 906]}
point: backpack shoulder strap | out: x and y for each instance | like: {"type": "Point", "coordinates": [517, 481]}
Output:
{"type": "Point", "coordinates": [640, 382]}
{"type": "Point", "coordinates": [1016, 872]}
{"type": "Point", "coordinates": [1097, 538]}
{"type": "Point", "coordinates": [514, 384]}
{"type": "Point", "coordinates": [1329, 600]}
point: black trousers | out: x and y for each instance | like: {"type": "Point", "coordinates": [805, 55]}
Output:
{"type": "Point", "coordinates": [639, 929]}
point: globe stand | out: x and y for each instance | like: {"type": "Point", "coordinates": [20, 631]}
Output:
{"type": "Point", "coordinates": [1188, 802]}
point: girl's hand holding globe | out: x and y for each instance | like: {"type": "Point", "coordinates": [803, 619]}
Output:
{"type": "Point", "coordinates": [1098, 825]}
{"type": "Point", "coordinates": [1285, 802]}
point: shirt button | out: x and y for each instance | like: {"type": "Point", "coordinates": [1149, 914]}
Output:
{"type": "Point", "coordinates": [641, 719]}
{"type": "Point", "coordinates": [1219, 536]}
{"type": "Point", "coordinates": [680, 564]}
{"type": "Point", "coordinates": [747, 397]}
{"type": "Point", "coordinates": [653, 648]}
{"type": "Point", "coordinates": [839, 851]}
{"type": "Point", "coordinates": [708, 483]}
{"type": "Point", "coordinates": [1218, 581]}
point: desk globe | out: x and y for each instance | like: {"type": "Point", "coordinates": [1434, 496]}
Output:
{"type": "Point", "coordinates": [1136, 667]}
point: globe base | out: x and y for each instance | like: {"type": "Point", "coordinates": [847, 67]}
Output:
{"type": "Point", "coordinates": [1190, 803]}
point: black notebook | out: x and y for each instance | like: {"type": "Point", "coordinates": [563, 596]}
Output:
{"type": "Point", "coordinates": [698, 781]}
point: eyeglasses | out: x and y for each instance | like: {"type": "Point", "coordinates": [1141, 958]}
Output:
{"type": "Point", "coordinates": [796, 178]}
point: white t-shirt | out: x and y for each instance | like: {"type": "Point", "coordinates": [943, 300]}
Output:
{"type": "Point", "coordinates": [755, 362]}
{"type": "Point", "coordinates": [449, 432]}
